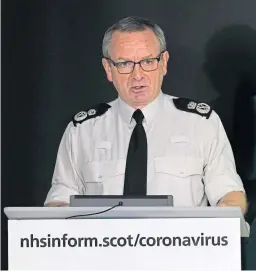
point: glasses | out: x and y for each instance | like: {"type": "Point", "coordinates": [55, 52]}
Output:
{"type": "Point", "coordinates": [148, 65]}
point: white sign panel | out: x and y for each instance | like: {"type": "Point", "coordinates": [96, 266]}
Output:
{"type": "Point", "coordinates": [125, 244]}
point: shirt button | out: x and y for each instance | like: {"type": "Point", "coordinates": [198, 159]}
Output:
{"type": "Point", "coordinates": [100, 177]}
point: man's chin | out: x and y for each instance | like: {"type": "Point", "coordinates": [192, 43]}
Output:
{"type": "Point", "coordinates": [141, 101]}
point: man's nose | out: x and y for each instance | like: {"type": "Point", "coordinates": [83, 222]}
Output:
{"type": "Point", "coordinates": [137, 72]}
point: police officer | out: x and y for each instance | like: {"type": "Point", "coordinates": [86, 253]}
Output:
{"type": "Point", "coordinates": [145, 142]}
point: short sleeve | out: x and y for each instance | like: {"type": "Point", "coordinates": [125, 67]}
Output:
{"type": "Point", "coordinates": [65, 180]}
{"type": "Point", "coordinates": [220, 175]}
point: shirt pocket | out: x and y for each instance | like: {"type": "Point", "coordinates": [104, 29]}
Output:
{"type": "Point", "coordinates": [180, 177]}
{"type": "Point", "coordinates": [104, 178]}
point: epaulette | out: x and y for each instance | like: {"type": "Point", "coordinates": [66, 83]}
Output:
{"type": "Point", "coordinates": [93, 112]}
{"type": "Point", "coordinates": [188, 105]}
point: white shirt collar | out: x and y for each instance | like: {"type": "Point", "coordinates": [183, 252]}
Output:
{"type": "Point", "coordinates": [148, 111]}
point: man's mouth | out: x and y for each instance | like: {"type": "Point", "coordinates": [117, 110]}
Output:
{"type": "Point", "coordinates": [137, 88]}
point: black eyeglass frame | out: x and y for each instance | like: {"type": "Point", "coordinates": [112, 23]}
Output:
{"type": "Point", "coordinates": [158, 58]}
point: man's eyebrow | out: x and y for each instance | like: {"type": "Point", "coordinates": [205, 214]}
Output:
{"type": "Point", "coordinates": [127, 59]}
{"type": "Point", "coordinates": [149, 56]}
{"type": "Point", "coordinates": [124, 59]}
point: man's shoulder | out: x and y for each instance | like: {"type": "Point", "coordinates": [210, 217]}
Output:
{"type": "Point", "coordinates": [184, 104]}
{"type": "Point", "coordinates": [195, 112]}
{"type": "Point", "coordinates": [93, 112]}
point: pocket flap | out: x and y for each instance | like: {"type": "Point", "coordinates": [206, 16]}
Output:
{"type": "Point", "coordinates": [102, 144]}
{"type": "Point", "coordinates": [98, 170]}
{"type": "Point", "coordinates": [179, 166]}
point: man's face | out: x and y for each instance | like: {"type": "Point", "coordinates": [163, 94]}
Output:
{"type": "Point", "coordinates": [139, 87]}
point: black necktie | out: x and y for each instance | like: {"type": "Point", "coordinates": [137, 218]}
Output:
{"type": "Point", "coordinates": [135, 183]}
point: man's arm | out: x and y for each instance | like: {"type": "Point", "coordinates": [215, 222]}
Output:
{"type": "Point", "coordinates": [223, 185]}
{"type": "Point", "coordinates": [65, 180]}
{"type": "Point", "coordinates": [234, 198]}
{"type": "Point", "coordinates": [56, 204]}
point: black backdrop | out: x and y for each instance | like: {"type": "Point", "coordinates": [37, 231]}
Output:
{"type": "Point", "coordinates": [51, 68]}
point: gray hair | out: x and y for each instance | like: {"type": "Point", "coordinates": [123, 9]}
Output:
{"type": "Point", "coordinates": [132, 24]}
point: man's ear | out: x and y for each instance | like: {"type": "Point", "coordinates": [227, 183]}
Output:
{"type": "Point", "coordinates": [107, 69]}
{"type": "Point", "coordinates": [165, 61]}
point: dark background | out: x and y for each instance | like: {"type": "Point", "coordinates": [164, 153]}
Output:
{"type": "Point", "coordinates": [51, 69]}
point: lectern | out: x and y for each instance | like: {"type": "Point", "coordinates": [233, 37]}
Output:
{"type": "Point", "coordinates": [125, 238]}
